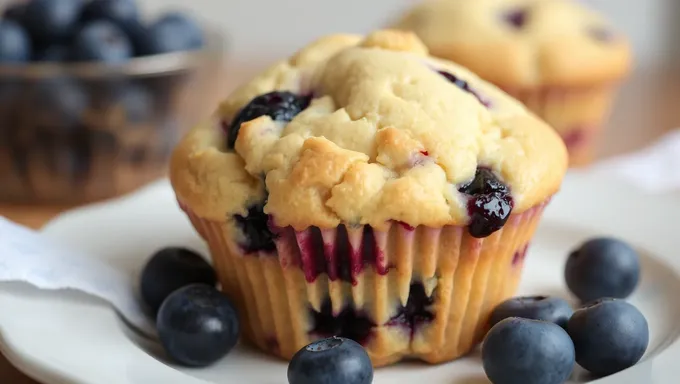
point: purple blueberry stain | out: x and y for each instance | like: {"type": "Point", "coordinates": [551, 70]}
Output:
{"type": "Point", "coordinates": [272, 344]}
{"type": "Point", "coordinates": [417, 311]}
{"type": "Point", "coordinates": [465, 86]}
{"type": "Point", "coordinates": [339, 260]}
{"type": "Point", "coordinates": [520, 255]}
{"type": "Point", "coordinates": [517, 18]}
{"type": "Point", "coordinates": [489, 205]}
{"type": "Point", "coordinates": [258, 236]}
{"type": "Point", "coordinates": [348, 323]}
{"type": "Point", "coordinates": [279, 105]}
{"type": "Point", "coordinates": [602, 34]}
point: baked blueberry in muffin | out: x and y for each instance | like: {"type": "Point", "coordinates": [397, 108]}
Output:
{"type": "Point", "coordinates": [364, 189]}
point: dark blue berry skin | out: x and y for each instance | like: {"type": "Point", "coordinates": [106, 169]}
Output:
{"type": "Point", "coordinates": [140, 38]}
{"type": "Point", "coordinates": [174, 32]}
{"type": "Point", "coordinates": [102, 41]}
{"type": "Point", "coordinates": [609, 336]}
{"type": "Point", "coordinates": [490, 203]}
{"type": "Point", "coordinates": [523, 351]}
{"type": "Point", "coordinates": [119, 12]}
{"type": "Point", "coordinates": [279, 105]}
{"type": "Point", "coordinates": [53, 53]}
{"type": "Point", "coordinates": [133, 99]}
{"type": "Point", "coordinates": [170, 269]}
{"type": "Point", "coordinates": [15, 12]}
{"type": "Point", "coordinates": [602, 267]}
{"type": "Point", "coordinates": [62, 102]}
{"type": "Point", "coordinates": [50, 21]}
{"type": "Point", "coordinates": [15, 45]}
{"type": "Point", "coordinates": [335, 360]}
{"type": "Point", "coordinates": [551, 309]}
{"type": "Point", "coordinates": [255, 228]}
{"type": "Point", "coordinates": [197, 325]}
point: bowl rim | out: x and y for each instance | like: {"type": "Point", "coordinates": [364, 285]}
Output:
{"type": "Point", "coordinates": [215, 48]}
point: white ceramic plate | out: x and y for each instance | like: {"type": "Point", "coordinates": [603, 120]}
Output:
{"type": "Point", "coordinates": [66, 337]}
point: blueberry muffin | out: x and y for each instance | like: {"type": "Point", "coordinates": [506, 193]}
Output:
{"type": "Point", "coordinates": [562, 60]}
{"type": "Point", "coordinates": [364, 189]}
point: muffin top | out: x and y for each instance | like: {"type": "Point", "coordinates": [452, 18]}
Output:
{"type": "Point", "coordinates": [523, 43]}
{"type": "Point", "coordinates": [354, 130]}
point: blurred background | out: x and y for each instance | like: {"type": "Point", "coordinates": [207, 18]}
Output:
{"type": "Point", "coordinates": [241, 38]}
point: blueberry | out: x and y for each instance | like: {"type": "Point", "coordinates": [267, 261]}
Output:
{"type": "Point", "coordinates": [279, 105]}
{"type": "Point", "coordinates": [53, 53]}
{"type": "Point", "coordinates": [15, 45]}
{"type": "Point", "coordinates": [15, 12]}
{"type": "Point", "coordinates": [602, 267]}
{"type": "Point", "coordinates": [170, 269]}
{"type": "Point", "coordinates": [335, 360]}
{"type": "Point", "coordinates": [140, 38]}
{"type": "Point", "coordinates": [174, 32]}
{"type": "Point", "coordinates": [50, 21]}
{"type": "Point", "coordinates": [609, 336]}
{"type": "Point", "coordinates": [523, 351]}
{"type": "Point", "coordinates": [102, 41]}
{"type": "Point", "coordinates": [62, 102]}
{"type": "Point", "coordinates": [490, 203]}
{"type": "Point", "coordinates": [349, 323]}
{"type": "Point", "coordinates": [119, 12]}
{"type": "Point", "coordinates": [132, 99]}
{"type": "Point", "coordinates": [255, 229]}
{"type": "Point", "coordinates": [551, 309]}
{"type": "Point", "coordinates": [197, 325]}
{"type": "Point", "coordinates": [517, 18]}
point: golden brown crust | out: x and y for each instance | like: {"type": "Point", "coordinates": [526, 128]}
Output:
{"type": "Point", "coordinates": [558, 44]}
{"type": "Point", "coordinates": [385, 138]}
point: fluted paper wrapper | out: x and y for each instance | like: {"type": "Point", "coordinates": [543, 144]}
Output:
{"type": "Point", "coordinates": [578, 114]}
{"type": "Point", "coordinates": [319, 275]}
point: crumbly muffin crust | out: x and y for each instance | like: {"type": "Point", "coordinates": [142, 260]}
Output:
{"type": "Point", "coordinates": [524, 43]}
{"type": "Point", "coordinates": [386, 137]}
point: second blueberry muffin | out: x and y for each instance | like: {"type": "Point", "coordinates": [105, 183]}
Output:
{"type": "Point", "coordinates": [365, 189]}
{"type": "Point", "coordinates": [561, 59]}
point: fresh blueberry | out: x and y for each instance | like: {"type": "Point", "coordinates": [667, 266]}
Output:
{"type": "Point", "coordinates": [62, 102]}
{"type": "Point", "coordinates": [490, 203]}
{"type": "Point", "coordinates": [609, 336]}
{"type": "Point", "coordinates": [256, 232]}
{"type": "Point", "coordinates": [119, 12]}
{"type": "Point", "coordinates": [131, 98]}
{"type": "Point", "coordinates": [53, 53]}
{"type": "Point", "coordinates": [170, 269]}
{"type": "Point", "coordinates": [15, 12]}
{"type": "Point", "coordinates": [174, 32]}
{"type": "Point", "coordinates": [602, 267]}
{"type": "Point", "coordinates": [279, 105]}
{"type": "Point", "coordinates": [335, 360]}
{"type": "Point", "coordinates": [523, 351]}
{"type": "Point", "coordinates": [15, 45]}
{"type": "Point", "coordinates": [551, 309]}
{"type": "Point", "coordinates": [197, 325]}
{"type": "Point", "coordinates": [140, 37]}
{"type": "Point", "coordinates": [102, 41]}
{"type": "Point", "coordinates": [50, 21]}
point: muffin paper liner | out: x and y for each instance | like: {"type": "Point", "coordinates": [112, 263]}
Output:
{"type": "Point", "coordinates": [356, 282]}
{"type": "Point", "coordinates": [576, 113]}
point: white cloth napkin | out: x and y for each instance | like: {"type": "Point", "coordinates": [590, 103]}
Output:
{"type": "Point", "coordinates": [655, 169]}
{"type": "Point", "coordinates": [27, 256]}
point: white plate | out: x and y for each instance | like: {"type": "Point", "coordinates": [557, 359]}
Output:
{"type": "Point", "coordinates": [68, 337]}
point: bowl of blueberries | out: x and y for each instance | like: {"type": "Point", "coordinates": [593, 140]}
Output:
{"type": "Point", "coordinates": [94, 96]}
